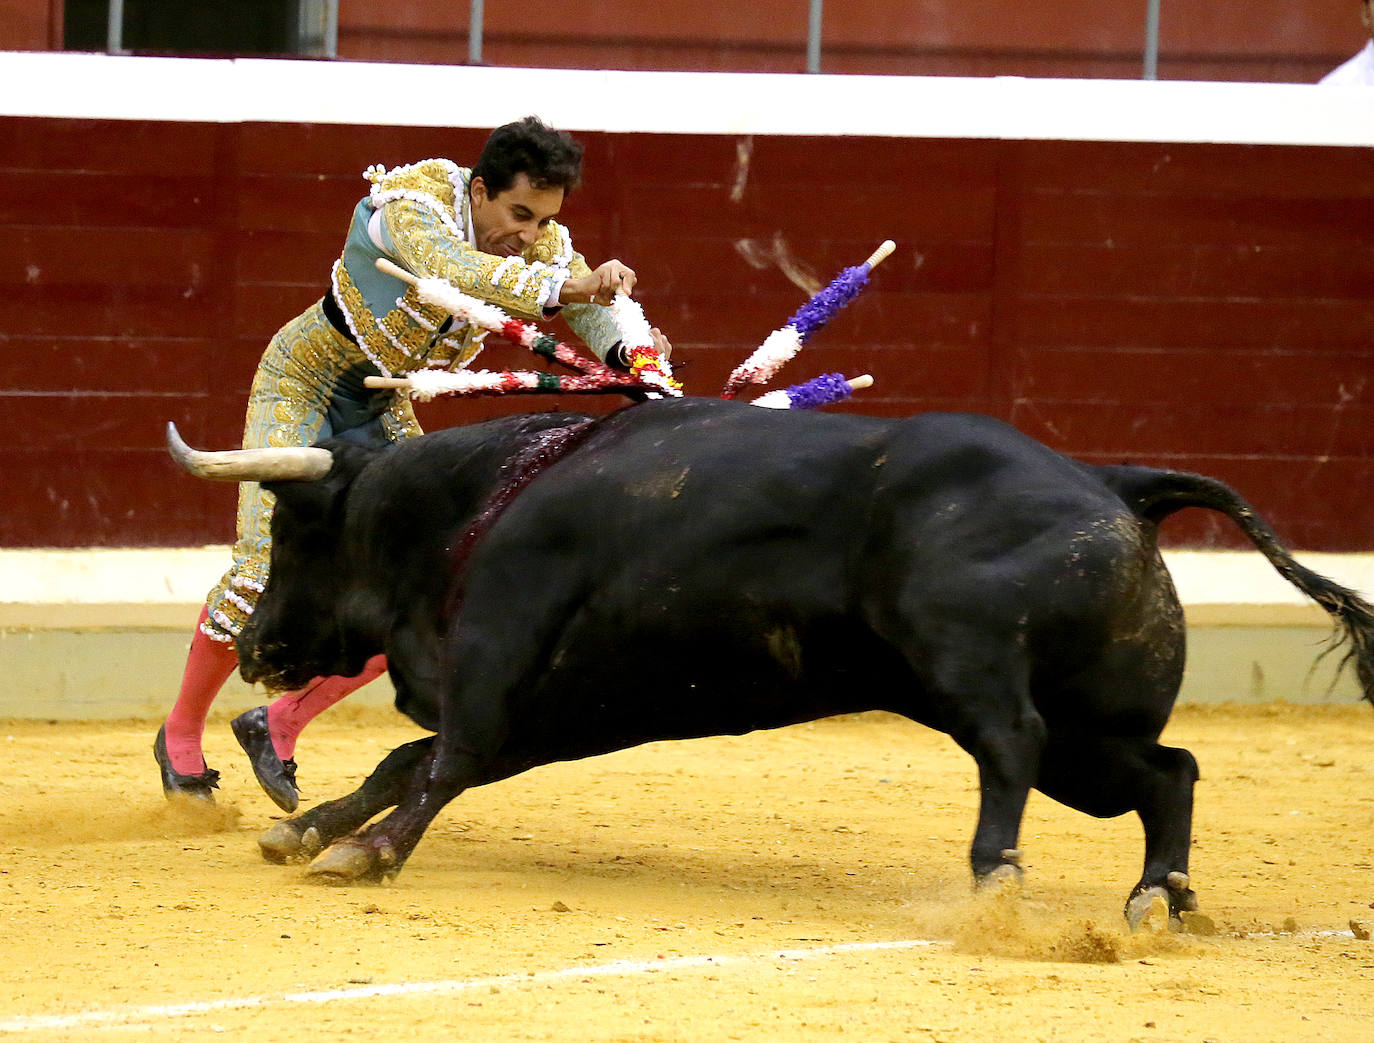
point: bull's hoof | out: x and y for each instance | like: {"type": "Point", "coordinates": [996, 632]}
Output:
{"type": "Point", "coordinates": [284, 844]}
{"type": "Point", "coordinates": [349, 862]}
{"type": "Point", "coordinates": [1008, 874]}
{"type": "Point", "coordinates": [1148, 906]}
{"type": "Point", "coordinates": [1161, 904]}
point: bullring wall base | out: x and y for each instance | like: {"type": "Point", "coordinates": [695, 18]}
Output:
{"type": "Point", "coordinates": [102, 634]}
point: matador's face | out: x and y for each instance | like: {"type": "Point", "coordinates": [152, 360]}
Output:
{"type": "Point", "coordinates": [507, 222]}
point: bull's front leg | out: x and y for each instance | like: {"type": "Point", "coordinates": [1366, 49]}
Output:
{"type": "Point", "coordinates": [472, 728]}
{"type": "Point", "coordinates": [302, 837]}
{"type": "Point", "coordinates": [379, 852]}
{"type": "Point", "coordinates": [493, 649]}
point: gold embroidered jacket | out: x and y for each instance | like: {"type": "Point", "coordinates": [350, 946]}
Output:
{"type": "Point", "coordinates": [425, 227]}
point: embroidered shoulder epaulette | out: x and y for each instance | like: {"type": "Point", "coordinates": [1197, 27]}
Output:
{"type": "Point", "coordinates": [436, 184]}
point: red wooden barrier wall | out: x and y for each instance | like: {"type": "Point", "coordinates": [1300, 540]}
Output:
{"type": "Point", "coordinates": [1198, 306]}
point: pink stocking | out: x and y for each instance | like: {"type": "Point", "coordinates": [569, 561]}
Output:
{"type": "Point", "coordinates": [288, 716]}
{"type": "Point", "coordinates": [208, 666]}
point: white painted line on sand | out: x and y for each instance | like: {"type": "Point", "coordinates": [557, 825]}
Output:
{"type": "Point", "coordinates": [127, 1015]}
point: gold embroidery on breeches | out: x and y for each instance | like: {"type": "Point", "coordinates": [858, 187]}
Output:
{"type": "Point", "coordinates": [287, 406]}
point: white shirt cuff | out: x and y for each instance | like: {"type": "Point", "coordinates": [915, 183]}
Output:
{"type": "Point", "coordinates": [553, 288]}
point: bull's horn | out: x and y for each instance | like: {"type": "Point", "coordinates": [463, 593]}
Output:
{"type": "Point", "coordinates": [286, 464]}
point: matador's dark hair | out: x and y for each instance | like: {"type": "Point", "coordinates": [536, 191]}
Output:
{"type": "Point", "coordinates": [549, 158]}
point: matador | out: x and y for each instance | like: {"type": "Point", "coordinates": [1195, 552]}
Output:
{"type": "Point", "coordinates": [489, 231]}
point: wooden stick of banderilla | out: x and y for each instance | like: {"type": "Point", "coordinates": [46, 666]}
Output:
{"type": "Point", "coordinates": [881, 254]}
{"type": "Point", "coordinates": [383, 265]}
{"type": "Point", "coordinates": [858, 383]}
{"type": "Point", "coordinates": [561, 353]}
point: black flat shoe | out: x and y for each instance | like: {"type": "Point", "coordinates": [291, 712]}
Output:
{"type": "Point", "coordinates": [176, 784]}
{"type": "Point", "coordinates": [277, 777]}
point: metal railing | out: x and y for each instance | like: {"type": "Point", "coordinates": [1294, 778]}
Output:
{"type": "Point", "coordinates": [114, 28]}
{"type": "Point", "coordinates": [1150, 70]}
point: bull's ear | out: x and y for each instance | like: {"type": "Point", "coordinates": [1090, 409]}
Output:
{"type": "Point", "coordinates": [287, 464]}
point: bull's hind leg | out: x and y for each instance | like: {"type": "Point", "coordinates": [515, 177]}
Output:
{"type": "Point", "coordinates": [987, 711]}
{"type": "Point", "coordinates": [1007, 754]}
{"type": "Point", "coordinates": [302, 837]}
{"type": "Point", "coordinates": [1106, 777]}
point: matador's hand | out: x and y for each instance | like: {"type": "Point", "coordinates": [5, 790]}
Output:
{"type": "Point", "coordinates": [660, 344]}
{"type": "Point", "coordinates": [599, 286]}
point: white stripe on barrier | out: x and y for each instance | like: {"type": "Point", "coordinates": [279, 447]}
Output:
{"type": "Point", "coordinates": [259, 90]}
{"type": "Point", "coordinates": [49, 587]}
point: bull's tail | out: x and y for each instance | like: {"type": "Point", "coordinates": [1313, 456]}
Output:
{"type": "Point", "coordinates": [1154, 495]}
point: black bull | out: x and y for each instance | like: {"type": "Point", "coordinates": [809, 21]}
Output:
{"type": "Point", "coordinates": [696, 567]}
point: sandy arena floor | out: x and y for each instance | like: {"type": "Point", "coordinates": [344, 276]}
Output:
{"type": "Point", "coordinates": [804, 884]}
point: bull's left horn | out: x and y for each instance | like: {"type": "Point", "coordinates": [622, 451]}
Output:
{"type": "Point", "coordinates": [271, 464]}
